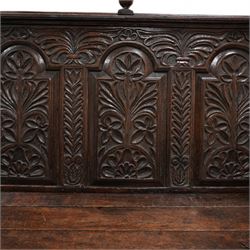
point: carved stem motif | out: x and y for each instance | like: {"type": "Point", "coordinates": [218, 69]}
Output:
{"type": "Point", "coordinates": [73, 126]}
{"type": "Point", "coordinates": [180, 127]}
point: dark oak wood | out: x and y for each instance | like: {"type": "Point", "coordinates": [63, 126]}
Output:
{"type": "Point", "coordinates": [108, 218]}
{"type": "Point", "coordinates": [101, 102]}
{"type": "Point", "coordinates": [27, 199]}
{"type": "Point", "coordinates": [127, 104]}
{"type": "Point", "coordinates": [37, 239]}
{"type": "Point", "coordinates": [107, 221]}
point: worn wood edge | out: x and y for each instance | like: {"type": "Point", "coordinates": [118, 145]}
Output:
{"type": "Point", "coordinates": [147, 240]}
{"type": "Point", "coordinates": [14, 199]}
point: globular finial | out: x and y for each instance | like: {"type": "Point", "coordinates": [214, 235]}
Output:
{"type": "Point", "coordinates": [125, 4]}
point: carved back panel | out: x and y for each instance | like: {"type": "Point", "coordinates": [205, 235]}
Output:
{"type": "Point", "coordinates": [107, 103]}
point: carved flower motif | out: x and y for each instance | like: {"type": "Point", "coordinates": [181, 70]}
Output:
{"type": "Point", "coordinates": [123, 170]}
{"type": "Point", "coordinates": [75, 160]}
{"type": "Point", "coordinates": [19, 65]}
{"type": "Point", "coordinates": [229, 165]}
{"type": "Point", "coordinates": [129, 66]}
{"type": "Point", "coordinates": [22, 163]}
{"type": "Point", "coordinates": [126, 170]}
{"type": "Point", "coordinates": [37, 125]}
{"type": "Point", "coordinates": [127, 164]}
{"type": "Point", "coordinates": [234, 68]}
{"type": "Point", "coordinates": [110, 128]}
{"type": "Point", "coordinates": [144, 130]}
{"type": "Point", "coordinates": [73, 169]}
{"type": "Point", "coordinates": [40, 122]}
{"type": "Point", "coordinates": [231, 169]}
{"type": "Point", "coordinates": [217, 129]}
{"type": "Point", "coordinates": [179, 169]}
{"type": "Point", "coordinates": [180, 161]}
{"type": "Point", "coordinates": [128, 34]}
{"type": "Point", "coordinates": [236, 36]}
{"type": "Point", "coordinates": [19, 168]}
{"type": "Point", "coordinates": [119, 167]}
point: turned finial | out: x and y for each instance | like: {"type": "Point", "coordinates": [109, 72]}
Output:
{"type": "Point", "coordinates": [125, 4]}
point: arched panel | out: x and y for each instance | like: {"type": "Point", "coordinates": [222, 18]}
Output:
{"type": "Point", "coordinates": [27, 116]}
{"type": "Point", "coordinates": [225, 116]}
{"type": "Point", "coordinates": [128, 110]}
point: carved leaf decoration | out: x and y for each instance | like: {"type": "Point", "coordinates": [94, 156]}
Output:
{"type": "Point", "coordinates": [129, 66]}
{"type": "Point", "coordinates": [137, 137]}
{"type": "Point", "coordinates": [117, 136]}
{"type": "Point", "coordinates": [168, 47]}
{"type": "Point", "coordinates": [9, 135]}
{"type": "Point", "coordinates": [198, 47]}
{"type": "Point", "coordinates": [73, 126]}
{"type": "Point", "coordinates": [127, 106]}
{"type": "Point", "coordinates": [74, 46]}
{"type": "Point", "coordinates": [180, 127]}
{"type": "Point", "coordinates": [108, 100]}
{"type": "Point", "coordinates": [15, 33]}
{"type": "Point", "coordinates": [24, 110]}
{"type": "Point", "coordinates": [179, 174]}
{"type": "Point", "coordinates": [227, 118]}
{"type": "Point", "coordinates": [19, 65]}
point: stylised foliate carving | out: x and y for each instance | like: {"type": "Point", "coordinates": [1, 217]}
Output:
{"type": "Point", "coordinates": [24, 114]}
{"type": "Point", "coordinates": [128, 130]}
{"type": "Point", "coordinates": [73, 46]}
{"type": "Point", "coordinates": [180, 127]}
{"type": "Point", "coordinates": [226, 117]}
{"type": "Point", "coordinates": [128, 66]}
{"type": "Point", "coordinates": [73, 126]}
{"type": "Point", "coordinates": [85, 46]}
{"type": "Point", "coordinates": [16, 33]}
{"type": "Point", "coordinates": [237, 36]}
{"type": "Point", "coordinates": [127, 164]}
{"type": "Point", "coordinates": [187, 49]}
{"type": "Point", "coordinates": [127, 121]}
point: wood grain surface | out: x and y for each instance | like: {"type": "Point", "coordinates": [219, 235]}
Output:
{"type": "Point", "coordinates": [124, 221]}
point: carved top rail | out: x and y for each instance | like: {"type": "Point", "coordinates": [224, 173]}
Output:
{"type": "Point", "coordinates": [150, 20]}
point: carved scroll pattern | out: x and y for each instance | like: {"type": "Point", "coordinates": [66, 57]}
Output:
{"type": "Point", "coordinates": [86, 46]}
